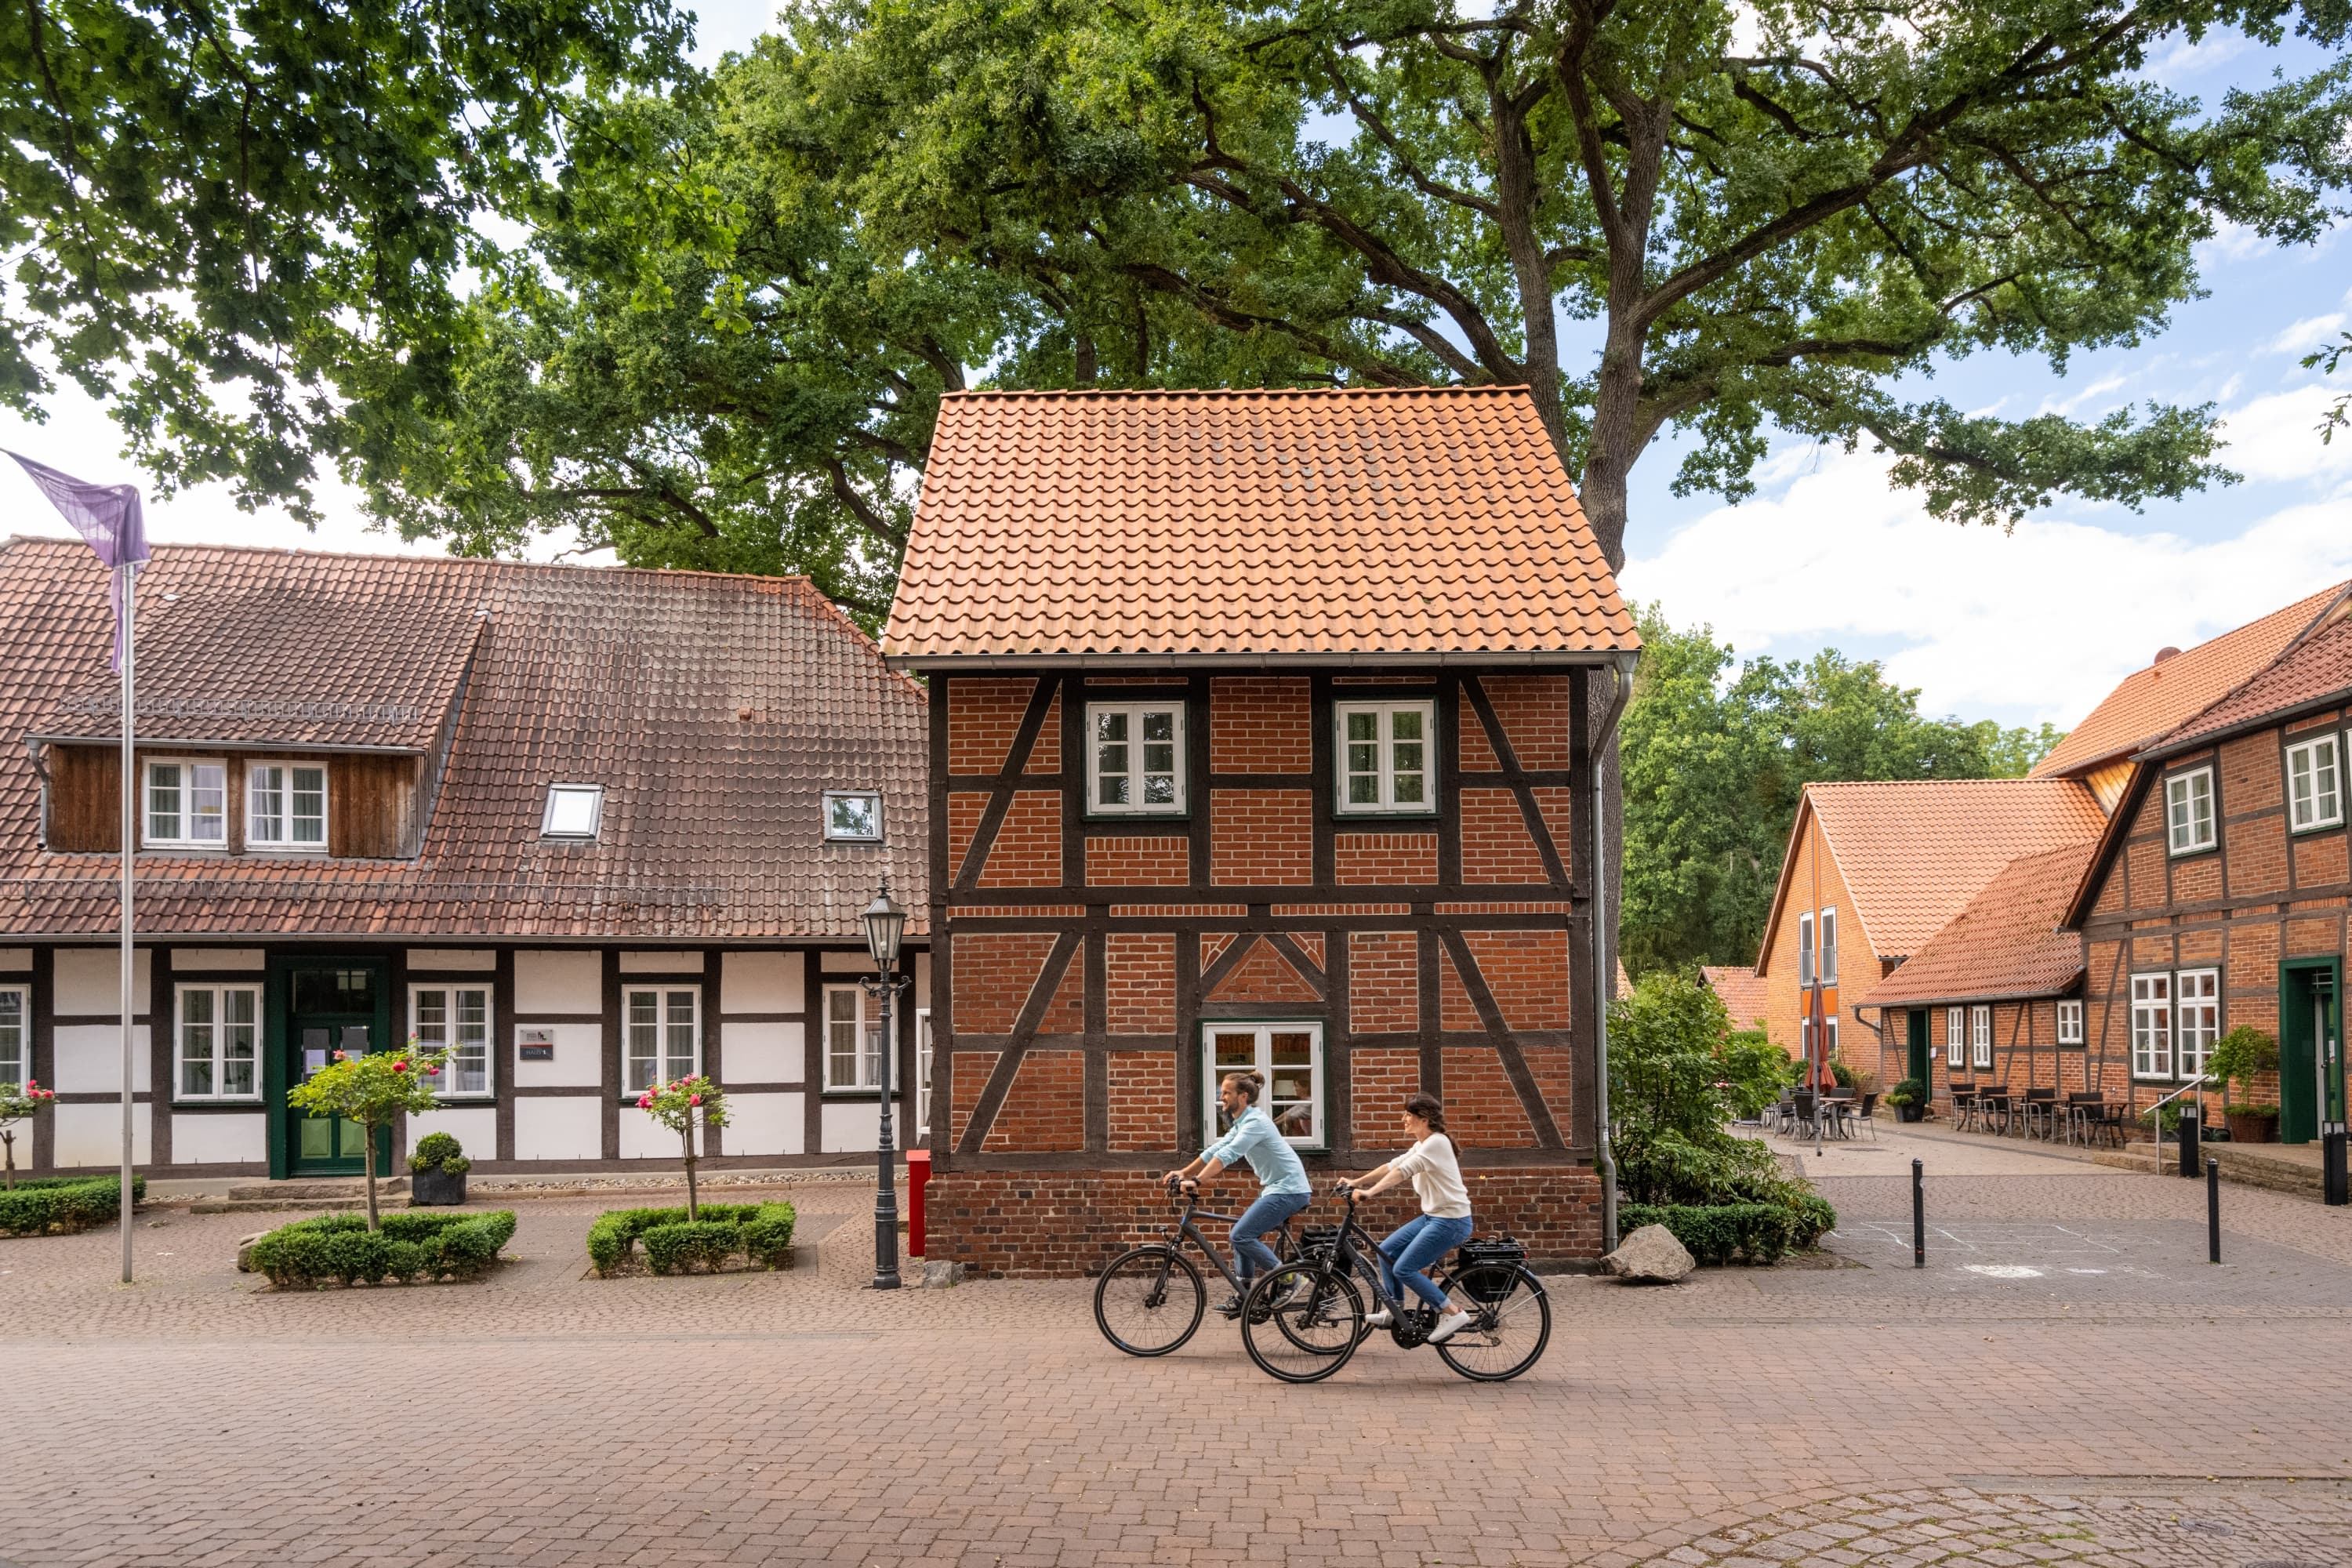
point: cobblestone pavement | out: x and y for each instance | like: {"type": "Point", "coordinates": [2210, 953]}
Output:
{"type": "Point", "coordinates": [1857, 1412]}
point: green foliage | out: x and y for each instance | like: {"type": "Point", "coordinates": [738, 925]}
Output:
{"type": "Point", "coordinates": [340, 1249]}
{"type": "Point", "coordinates": [223, 222]}
{"type": "Point", "coordinates": [60, 1205]}
{"type": "Point", "coordinates": [373, 1088]}
{"type": "Point", "coordinates": [18, 1102]}
{"type": "Point", "coordinates": [2338, 415]}
{"type": "Point", "coordinates": [1676, 1074]}
{"type": "Point", "coordinates": [1716, 759]}
{"type": "Point", "coordinates": [682, 1105]}
{"type": "Point", "coordinates": [1758, 1233]}
{"type": "Point", "coordinates": [439, 1152]}
{"type": "Point", "coordinates": [1910, 1091]}
{"type": "Point", "coordinates": [672, 1243]}
{"type": "Point", "coordinates": [2242, 1055]}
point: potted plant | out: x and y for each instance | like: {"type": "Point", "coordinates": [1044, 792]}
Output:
{"type": "Point", "coordinates": [682, 1105]}
{"type": "Point", "coordinates": [18, 1103]}
{"type": "Point", "coordinates": [437, 1171]}
{"type": "Point", "coordinates": [1909, 1099]}
{"type": "Point", "coordinates": [2238, 1058]}
{"type": "Point", "coordinates": [374, 1089]}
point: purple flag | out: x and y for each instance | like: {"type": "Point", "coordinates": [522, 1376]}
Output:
{"type": "Point", "coordinates": [107, 519]}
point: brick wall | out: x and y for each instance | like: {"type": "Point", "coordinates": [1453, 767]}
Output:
{"type": "Point", "coordinates": [1146, 860]}
{"type": "Point", "coordinates": [1379, 1081]}
{"type": "Point", "coordinates": [1261, 838]}
{"type": "Point", "coordinates": [1481, 1104]}
{"type": "Point", "coordinates": [1044, 1110]}
{"type": "Point", "coordinates": [1383, 981]}
{"type": "Point", "coordinates": [1496, 843]}
{"type": "Point", "coordinates": [1142, 1087]}
{"type": "Point", "coordinates": [967, 1075]}
{"type": "Point", "coordinates": [1374, 860]}
{"type": "Point", "coordinates": [1528, 973]}
{"type": "Point", "coordinates": [1261, 724]}
{"type": "Point", "coordinates": [1058, 1224]}
{"type": "Point", "coordinates": [1139, 979]}
{"type": "Point", "coordinates": [993, 972]}
{"type": "Point", "coordinates": [983, 715]}
{"type": "Point", "coordinates": [1028, 848]}
{"type": "Point", "coordinates": [1264, 976]}
{"type": "Point", "coordinates": [1534, 710]}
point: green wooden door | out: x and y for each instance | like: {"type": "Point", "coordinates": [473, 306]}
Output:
{"type": "Point", "coordinates": [1920, 1062]}
{"type": "Point", "coordinates": [331, 1004]}
{"type": "Point", "coordinates": [2311, 1046]}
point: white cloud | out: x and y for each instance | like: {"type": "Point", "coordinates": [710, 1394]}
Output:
{"type": "Point", "coordinates": [2230, 242]}
{"type": "Point", "coordinates": [2277, 436]}
{"type": "Point", "coordinates": [2306, 335]}
{"type": "Point", "coordinates": [2098, 388]}
{"type": "Point", "coordinates": [2037, 624]}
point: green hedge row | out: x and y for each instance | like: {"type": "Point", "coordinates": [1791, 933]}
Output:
{"type": "Point", "coordinates": [60, 1205]}
{"type": "Point", "coordinates": [1737, 1233]}
{"type": "Point", "coordinates": [340, 1249]}
{"type": "Point", "coordinates": [672, 1244]}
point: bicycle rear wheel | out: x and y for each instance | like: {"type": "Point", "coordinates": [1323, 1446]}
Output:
{"type": "Point", "coordinates": [1302, 1322]}
{"type": "Point", "coordinates": [1150, 1300]}
{"type": "Point", "coordinates": [1511, 1322]}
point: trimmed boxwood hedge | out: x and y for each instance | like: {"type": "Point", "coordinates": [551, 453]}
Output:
{"type": "Point", "coordinates": [1737, 1233]}
{"type": "Point", "coordinates": [674, 1245]}
{"type": "Point", "coordinates": [339, 1249]}
{"type": "Point", "coordinates": [60, 1205]}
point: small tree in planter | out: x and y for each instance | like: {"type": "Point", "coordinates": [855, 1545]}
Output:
{"type": "Point", "coordinates": [373, 1088]}
{"type": "Point", "coordinates": [18, 1102]}
{"type": "Point", "coordinates": [436, 1171]}
{"type": "Point", "coordinates": [1907, 1097]}
{"type": "Point", "coordinates": [2239, 1058]}
{"type": "Point", "coordinates": [680, 1106]}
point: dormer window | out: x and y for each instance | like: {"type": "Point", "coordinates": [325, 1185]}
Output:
{"type": "Point", "coordinates": [187, 805]}
{"type": "Point", "coordinates": [574, 811]}
{"type": "Point", "coordinates": [285, 806]}
{"type": "Point", "coordinates": [853, 815]}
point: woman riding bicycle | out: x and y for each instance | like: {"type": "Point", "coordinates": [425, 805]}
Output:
{"type": "Point", "coordinates": [1283, 1187]}
{"type": "Point", "coordinates": [1435, 1169]}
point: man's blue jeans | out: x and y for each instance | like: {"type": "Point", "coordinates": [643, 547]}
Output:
{"type": "Point", "coordinates": [1272, 1211]}
{"type": "Point", "coordinates": [1412, 1246]}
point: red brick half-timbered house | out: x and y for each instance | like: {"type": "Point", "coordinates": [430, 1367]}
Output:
{"type": "Point", "coordinates": [1263, 730]}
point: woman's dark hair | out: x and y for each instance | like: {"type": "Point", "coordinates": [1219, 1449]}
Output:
{"type": "Point", "coordinates": [1248, 1085]}
{"type": "Point", "coordinates": [1432, 1109]}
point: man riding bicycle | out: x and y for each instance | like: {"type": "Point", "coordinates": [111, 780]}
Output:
{"type": "Point", "coordinates": [1283, 1187]}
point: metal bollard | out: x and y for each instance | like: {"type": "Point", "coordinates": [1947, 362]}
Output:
{"type": "Point", "coordinates": [2334, 1189]}
{"type": "Point", "coordinates": [1918, 1216]}
{"type": "Point", "coordinates": [2213, 1210]}
{"type": "Point", "coordinates": [2192, 1136]}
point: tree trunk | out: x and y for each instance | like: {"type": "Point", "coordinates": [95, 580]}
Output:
{"type": "Point", "coordinates": [369, 1133]}
{"type": "Point", "coordinates": [693, 1209]}
{"type": "Point", "coordinates": [9, 1143]}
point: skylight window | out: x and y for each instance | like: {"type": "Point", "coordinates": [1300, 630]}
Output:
{"type": "Point", "coordinates": [853, 815]}
{"type": "Point", "coordinates": [574, 811]}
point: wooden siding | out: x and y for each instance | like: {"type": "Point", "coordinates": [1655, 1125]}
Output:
{"type": "Point", "coordinates": [371, 801]}
{"type": "Point", "coordinates": [371, 806]}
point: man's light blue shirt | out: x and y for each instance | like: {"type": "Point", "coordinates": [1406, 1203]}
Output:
{"type": "Point", "coordinates": [1253, 1137]}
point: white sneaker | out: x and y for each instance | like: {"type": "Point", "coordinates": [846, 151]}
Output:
{"type": "Point", "coordinates": [1377, 1319]}
{"type": "Point", "coordinates": [1448, 1326]}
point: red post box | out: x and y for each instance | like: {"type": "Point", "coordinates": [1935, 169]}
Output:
{"type": "Point", "coordinates": [919, 1176]}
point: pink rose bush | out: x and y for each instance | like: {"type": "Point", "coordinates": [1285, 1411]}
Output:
{"type": "Point", "coordinates": [374, 1089]}
{"type": "Point", "coordinates": [18, 1102]}
{"type": "Point", "coordinates": [682, 1105]}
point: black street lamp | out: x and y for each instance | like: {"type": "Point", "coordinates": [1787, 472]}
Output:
{"type": "Point", "coordinates": [885, 923]}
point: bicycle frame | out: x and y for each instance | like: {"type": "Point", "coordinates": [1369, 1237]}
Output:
{"type": "Point", "coordinates": [1184, 1230]}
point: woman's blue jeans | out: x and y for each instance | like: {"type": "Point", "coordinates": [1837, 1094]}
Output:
{"type": "Point", "coordinates": [1272, 1211]}
{"type": "Point", "coordinates": [1412, 1246]}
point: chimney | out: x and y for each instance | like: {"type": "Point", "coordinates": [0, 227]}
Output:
{"type": "Point", "coordinates": [2164, 653]}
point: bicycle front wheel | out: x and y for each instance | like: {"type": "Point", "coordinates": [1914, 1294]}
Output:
{"type": "Point", "coordinates": [1150, 1300]}
{"type": "Point", "coordinates": [1302, 1322]}
{"type": "Point", "coordinates": [1511, 1322]}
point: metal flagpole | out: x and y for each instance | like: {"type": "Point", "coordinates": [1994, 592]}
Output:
{"type": "Point", "coordinates": [128, 572]}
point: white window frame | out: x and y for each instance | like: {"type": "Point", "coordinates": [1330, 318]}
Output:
{"type": "Point", "coordinates": [1825, 948]}
{"type": "Point", "coordinates": [2182, 826]}
{"type": "Point", "coordinates": [1831, 1026]}
{"type": "Point", "coordinates": [260, 842]}
{"type": "Point", "coordinates": [664, 1058]}
{"type": "Point", "coordinates": [1956, 1026]}
{"type": "Point", "coordinates": [1979, 1038]}
{"type": "Point", "coordinates": [1318, 1064]}
{"type": "Point", "coordinates": [2151, 1028]}
{"type": "Point", "coordinates": [870, 1045]}
{"type": "Point", "coordinates": [16, 1033]}
{"type": "Point", "coordinates": [449, 990]}
{"type": "Point", "coordinates": [216, 1058]}
{"type": "Point", "coordinates": [2314, 809]}
{"type": "Point", "coordinates": [2196, 1020]}
{"type": "Point", "coordinates": [826, 809]}
{"type": "Point", "coordinates": [2070, 1023]}
{"type": "Point", "coordinates": [595, 793]}
{"type": "Point", "coordinates": [182, 814]}
{"type": "Point", "coordinates": [1384, 758]}
{"type": "Point", "coordinates": [1807, 954]}
{"type": "Point", "coordinates": [1134, 772]}
{"type": "Point", "coordinates": [922, 1073]}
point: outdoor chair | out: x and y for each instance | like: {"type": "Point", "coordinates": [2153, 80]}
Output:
{"type": "Point", "coordinates": [1964, 1107]}
{"type": "Point", "coordinates": [1800, 1114]}
{"type": "Point", "coordinates": [1866, 1116]}
{"type": "Point", "coordinates": [2040, 1112]}
{"type": "Point", "coordinates": [2102, 1120]}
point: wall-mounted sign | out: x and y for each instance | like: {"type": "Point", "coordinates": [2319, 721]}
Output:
{"type": "Point", "coordinates": [537, 1044]}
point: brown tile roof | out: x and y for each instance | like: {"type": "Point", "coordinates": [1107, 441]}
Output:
{"type": "Point", "coordinates": [1913, 852]}
{"type": "Point", "coordinates": [636, 680]}
{"type": "Point", "coordinates": [2149, 702]}
{"type": "Point", "coordinates": [2311, 672]}
{"type": "Point", "coordinates": [1742, 990]}
{"type": "Point", "coordinates": [2007, 941]}
{"type": "Point", "coordinates": [1244, 525]}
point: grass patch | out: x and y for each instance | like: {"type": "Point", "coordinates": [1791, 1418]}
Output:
{"type": "Point", "coordinates": [338, 1249]}
{"type": "Point", "coordinates": [663, 1241]}
{"type": "Point", "coordinates": [62, 1206]}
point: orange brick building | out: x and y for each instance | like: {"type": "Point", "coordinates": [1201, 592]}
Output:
{"type": "Point", "coordinates": [1263, 735]}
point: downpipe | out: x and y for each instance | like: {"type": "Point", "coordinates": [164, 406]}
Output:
{"type": "Point", "coordinates": [1604, 980]}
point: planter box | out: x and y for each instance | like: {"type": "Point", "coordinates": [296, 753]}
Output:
{"type": "Point", "coordinates": [2245, 1128]}
{"type": "Point", "coordinates": [1910, 1113]}
{"type": "Point", "coordinates": [436, 1189]}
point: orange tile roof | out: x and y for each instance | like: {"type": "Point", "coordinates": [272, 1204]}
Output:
{"type": "Point", "coordinates": [1241, 525]}
{"type": "Point", "coordinates": [2150, 701]}
{"type": "Point", "coordinates": [2315, 670]}
{"type": "Point", "coordinates": [1913, 852]}
{"type": "Point", "coordinates": [1742, 990]}
{"type": "Point", "coordinates": [2006, 942]}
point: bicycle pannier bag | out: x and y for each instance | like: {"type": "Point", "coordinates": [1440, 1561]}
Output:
{"type": "Point", "coordinates": [1488, 1285]}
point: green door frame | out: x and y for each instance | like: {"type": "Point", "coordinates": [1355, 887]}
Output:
{"type": "Point", "coordinates": [278, 1002]}
{"type": "Point", "coordinates": [1919, 1061]}
{"type": "Point", "coordinates": [2300, 1108]}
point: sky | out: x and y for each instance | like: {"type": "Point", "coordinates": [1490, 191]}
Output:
{"type": "Point", "coordinates": [2024, 625]}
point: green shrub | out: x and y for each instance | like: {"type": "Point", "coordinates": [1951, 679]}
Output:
{"type": "Point", "coordinates": [439, 1152]}
{"type": "Point", "coordinates": [1910, 1091]}
{"type": "Point", "coordinates": [339, 1249]}
{"type": "Point", "coordinates": [60, 1205]}
{"type": "Point", "coordinates": [1737, 1233]}
{"type": "Point", "coordinates": [761, 1232]}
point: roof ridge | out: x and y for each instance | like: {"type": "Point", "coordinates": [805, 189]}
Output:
{"type": "Point", "coordinates": [1138, 393]}
{"type": "Point", "coordinates": [2292, 645]}
{"type": "Point", "coordinates": [485, 561]}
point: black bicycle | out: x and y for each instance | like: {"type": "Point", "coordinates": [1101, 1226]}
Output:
{"type": "Point", "coordinates": [1150, 1298]}
{"type": "Point", "coordinates": [1303, 1320]}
